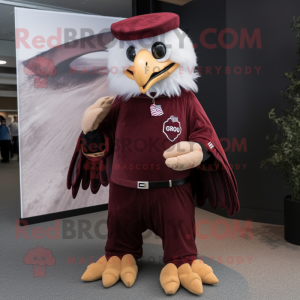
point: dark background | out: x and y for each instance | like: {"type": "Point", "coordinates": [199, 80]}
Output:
{"type": "Point", "coordinates": [238, 105]}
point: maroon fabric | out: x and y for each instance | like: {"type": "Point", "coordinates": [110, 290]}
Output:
{"type": "Point", "coordinates": [168, 212]}
{"type": "Point", "coordinates": [144, 26]}
{"type": "Point", "coordinates": [89, 171]}
{"type": "Point", "coordinates": [137, 141]}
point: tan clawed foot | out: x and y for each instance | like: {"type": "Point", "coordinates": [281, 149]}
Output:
{"type": "Point", "coordinates": [129, 270]}
{"type": "Point", "coordinates": [169, 279]}
{"type": "Point", "coordinates": [190, 280]}
{"type": "Point", "coordinates": [94, 271]}
{"type": "Point", "coordinates": [111, 274]}
{"type": "Point", "coordinates": [204, 271]}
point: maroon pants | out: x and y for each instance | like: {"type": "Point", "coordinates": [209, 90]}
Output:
{"type": "Point", "coordinates": [168, 212]}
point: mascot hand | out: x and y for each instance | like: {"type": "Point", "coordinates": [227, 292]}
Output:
{"type": "Point", "coordinates": [183, 156]}
{"type": "Point", "coordinates": [96, 113]}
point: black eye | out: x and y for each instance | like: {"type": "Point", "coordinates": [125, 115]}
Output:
{"type": "Point", "coordinates": [131, 53]}
{"type": "Point", "coordinates": [158, 50]}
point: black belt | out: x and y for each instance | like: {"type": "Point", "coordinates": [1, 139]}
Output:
{"type": "Point", "coordinates": [161, 184]}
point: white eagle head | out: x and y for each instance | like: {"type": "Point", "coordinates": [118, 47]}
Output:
{"type": "Point", "coordinates": [162, 64]}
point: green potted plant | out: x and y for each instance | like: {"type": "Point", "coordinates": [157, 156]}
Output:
{"type": "Point", "coordinates": [284, 149]}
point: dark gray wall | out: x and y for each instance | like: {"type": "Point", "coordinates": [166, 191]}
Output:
{"type": "Point", "coordinates": [238, 104]}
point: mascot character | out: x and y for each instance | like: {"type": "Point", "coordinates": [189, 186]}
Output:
{"type": "Point", "coordinates": [156, 148]}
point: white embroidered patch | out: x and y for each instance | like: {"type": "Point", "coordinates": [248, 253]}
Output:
{"type": "Point", "coordinates": [172, 128]}
{"type": "Point", "coordinates": [210, 145]}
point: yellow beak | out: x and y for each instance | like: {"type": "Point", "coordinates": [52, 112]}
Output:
{"type": "Point", "coordinates": [146, 70]}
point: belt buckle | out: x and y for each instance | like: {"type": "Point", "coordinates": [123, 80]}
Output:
{"type": "Point", "coordinates": [144, 185]}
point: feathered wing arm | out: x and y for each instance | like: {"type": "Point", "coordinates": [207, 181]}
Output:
{"type": "Point", "coordinates": [214, 182]}
{"type": "Point", "coordinates": [217, 184]}
{"type": "Point", "coordinates": [94, 168]}
{"type": "Point", "coordinates": [87, 170]}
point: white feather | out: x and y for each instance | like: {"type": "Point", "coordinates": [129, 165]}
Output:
{"type": "Point", "coordinates": [179, 50]}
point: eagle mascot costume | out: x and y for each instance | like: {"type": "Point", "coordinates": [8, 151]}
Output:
{"type": "Point", "coordinates": [156, 148]}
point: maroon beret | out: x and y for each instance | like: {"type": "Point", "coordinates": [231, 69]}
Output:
{"type": "Point", "coordinates": [144, 26]}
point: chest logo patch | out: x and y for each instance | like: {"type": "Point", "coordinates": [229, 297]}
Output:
{"type": "Point", "coordinates": [172, 128]}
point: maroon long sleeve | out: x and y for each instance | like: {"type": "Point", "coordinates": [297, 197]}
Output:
{"type": "Point", "coordinates": [138, 139]}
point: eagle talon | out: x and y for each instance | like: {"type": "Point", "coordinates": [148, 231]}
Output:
{"type": "Point", "coordinates": [111, 275]}
{"type": "Point", "coordinates": [129, 270]}
{"type": "Point", "coordinates": [204, 271]}
{"type": "Point", "coordinates": [169, 279]}
{"type": "Point", "coordinates": [190, 280]}
{"type": "Point", "coordinates": [94, 271]}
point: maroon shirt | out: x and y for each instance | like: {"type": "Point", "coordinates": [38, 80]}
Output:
{"type": "Point", "coordinates": [139, 139]}
{"type": "Point", "coordinates": [136, 141]}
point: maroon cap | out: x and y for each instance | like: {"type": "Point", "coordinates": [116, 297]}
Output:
{"type": "Point", "coordinates": [144, 26]}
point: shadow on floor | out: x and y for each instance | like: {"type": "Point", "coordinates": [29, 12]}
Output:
{"type": "Point", "coordinates": [273, 236]}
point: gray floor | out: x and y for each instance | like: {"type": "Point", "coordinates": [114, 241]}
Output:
{"type": "Point", "coordinates": [272, 273]}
